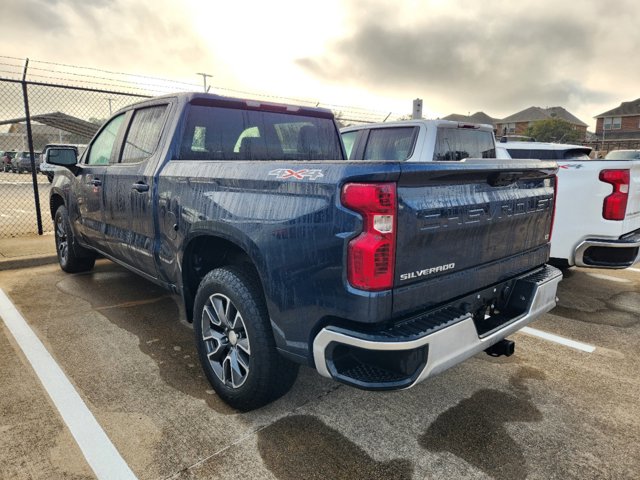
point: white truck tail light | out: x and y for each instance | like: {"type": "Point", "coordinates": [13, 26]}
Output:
{"type": "Point", "coordinates": [371, 255]}
{"type": "Point", "coordinates": [615, 205]}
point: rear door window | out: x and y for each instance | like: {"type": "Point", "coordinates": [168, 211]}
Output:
{"type": "Point", "coordinates": [394, 143]}
{"type": "Point", "coordinates": [460, 143]}
{"type": "Point", "coordinates": [144, 134]}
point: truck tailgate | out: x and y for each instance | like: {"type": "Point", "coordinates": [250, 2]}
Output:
{"type": "Point", "coordinates": [463, 226]}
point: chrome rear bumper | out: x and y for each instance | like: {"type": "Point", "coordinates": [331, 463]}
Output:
{"type": "Point", "coordinates": [609, 253]}
{"type": "Point", "coordinates": [446, 345]}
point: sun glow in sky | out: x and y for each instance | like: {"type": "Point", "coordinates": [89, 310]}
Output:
{"type": "Point", "coordinates": [460, 56]}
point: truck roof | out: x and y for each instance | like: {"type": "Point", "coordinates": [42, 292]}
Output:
{"type": "Point", "coordinates": [426, 123]}
{"type": "Point", "coordinates": [544, 146]}
{"type": "Point", "coordinates": [233, 102]}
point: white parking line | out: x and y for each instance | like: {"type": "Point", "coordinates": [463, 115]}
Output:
{"type": "Point", "coordinates": [567, 342]}
{"type": "Point", "coordinates": [634, 269]}
{"type": "Point", "coordinates": [100, 453]}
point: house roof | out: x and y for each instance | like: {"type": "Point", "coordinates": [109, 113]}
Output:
{"type": "Point", "coordinates": [478, 117]}
{"type": "Point", "coordinates": [624, 109]}
{"type": "Point", "coordinates": [560, 112]}
{"type": "Point", "coordinates": [534, 114]}
{"type": "Point", "coordinates": [54, 121]}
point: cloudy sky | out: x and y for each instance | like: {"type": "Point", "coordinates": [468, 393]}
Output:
{"type": "Point", "coordinates": [458, 55]}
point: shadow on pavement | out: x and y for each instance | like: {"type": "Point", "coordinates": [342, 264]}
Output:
{"type": "Point", "coordinates": [302, 446]}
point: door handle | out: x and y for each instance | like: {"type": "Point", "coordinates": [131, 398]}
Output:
{"type": "Point", "coordinates": [140, 187]}
{"type": "Point", "coordinates": [96, 182]}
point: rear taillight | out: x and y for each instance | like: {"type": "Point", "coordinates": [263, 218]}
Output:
{"type": "Point", "coordinates": [371, 255]}
{"type": "Point", "coordinates": [615, 205]}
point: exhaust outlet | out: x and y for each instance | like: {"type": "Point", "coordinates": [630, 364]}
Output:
{"type": "Point", "coordinates": [503, 347]}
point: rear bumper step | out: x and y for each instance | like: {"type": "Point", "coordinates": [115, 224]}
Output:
{"type": "Point", "coordinates": [414, 349]}
{"type": "Point", "coordinates": [600, 253]}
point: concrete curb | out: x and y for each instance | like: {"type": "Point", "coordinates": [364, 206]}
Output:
{"type": "Point", "coordinates": [27, 262]}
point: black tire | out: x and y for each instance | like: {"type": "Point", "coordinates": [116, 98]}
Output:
{"type": "Point", "coordinates": [560, 263]}
{"type": "Point", "coordinates": [268, 375]}
{"type": "Point", "coordinates": [72, 257]}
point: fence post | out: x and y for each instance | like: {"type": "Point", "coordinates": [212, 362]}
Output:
{"type": "Point", "coordinates": [34, 177]}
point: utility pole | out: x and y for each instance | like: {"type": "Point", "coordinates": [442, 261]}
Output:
{"type": "Point", "coordinates": [204, 80]}
{"type": "Point", "coordinates": [108, 99]}
{"type": "Point", "coordinates": [417, 109]}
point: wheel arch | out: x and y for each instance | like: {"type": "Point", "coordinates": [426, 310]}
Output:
{"type": "Point", "coordinates": [55, 201]}
{"type": "Point", "coordinates": [205, 252]}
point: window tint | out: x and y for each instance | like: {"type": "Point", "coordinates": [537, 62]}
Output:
{"type": "Point", "coordinates": [218, 133]}
{"type": "Point", "coordinates": [529, 153]}
{"type": "Point", "coordinates": [144, 134]}
{"type": "Point", "coordinates": [461, 143]}
{"type": "Point", "coordinates": [576, 155]}
{"type": "Point", "coordinates": [102, 146]}
{"type": "Point", "coordinates": [389, 143]}
{"type": "Point", "coordinates": [349, 138]}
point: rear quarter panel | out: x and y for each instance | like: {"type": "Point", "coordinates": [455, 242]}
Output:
{"type": "Point", "coordinates": [294, 230]}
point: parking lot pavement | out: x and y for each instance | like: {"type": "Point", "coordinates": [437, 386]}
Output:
{"type": "Point", "coordinates": [549, 411]}
{"type": "Point", "coordinates": [17, 203]}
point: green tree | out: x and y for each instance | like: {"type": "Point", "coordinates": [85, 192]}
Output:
{"type": "Point", "coordinates": [554, 130]}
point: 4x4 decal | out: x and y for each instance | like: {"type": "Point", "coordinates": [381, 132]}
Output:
{"type": "Point", "coordinates": [285, 173]}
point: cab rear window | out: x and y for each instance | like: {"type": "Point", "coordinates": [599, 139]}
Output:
{"type": "Point", "coordinates": [460, 143]}
{"type": "Point", "coordinates": [394, 143]}
{"type": "Point", "coordinates": [218, 133]}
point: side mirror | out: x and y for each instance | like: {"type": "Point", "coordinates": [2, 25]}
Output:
{"type": "Point", "coordinates": [63, 157]}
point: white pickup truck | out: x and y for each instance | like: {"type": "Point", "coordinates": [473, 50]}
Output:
{"type": "Point", "coordinates": [597, 222]}
{"type": "Point", "coordinates": [597, 218]}
{"type": "Point", "coordinates": [420, 141]}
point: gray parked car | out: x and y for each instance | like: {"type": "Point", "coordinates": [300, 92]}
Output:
{"type": "Point", "coordinates": [22, 162]}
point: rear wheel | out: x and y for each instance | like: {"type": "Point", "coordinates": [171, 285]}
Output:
{"type": "Point", "coordinates": [235, 341]}
{"type": "Point", "coordinates": [72, 257]}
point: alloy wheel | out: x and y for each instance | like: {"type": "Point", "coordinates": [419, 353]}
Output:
{"type": "Point", "coordinates": [225, 339]}
{"type": "Point", "coordinates": [61, 239]}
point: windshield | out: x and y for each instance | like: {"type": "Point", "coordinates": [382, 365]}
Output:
{"type": "Point", "coordinates": [623, 155]}
{"type": "Point", "coordinates": [218, 133]}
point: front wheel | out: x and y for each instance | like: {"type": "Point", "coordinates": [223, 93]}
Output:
{"type": "Point", "coordinates": [72, 257]}
{"type": "Point", "coordinates": [235, 342]}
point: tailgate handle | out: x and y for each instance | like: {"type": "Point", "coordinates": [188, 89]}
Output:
{"type": "Point", "coordinates": [502, 179]}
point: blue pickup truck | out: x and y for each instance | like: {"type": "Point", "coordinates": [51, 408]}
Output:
{"type": "Point", "coordinates": [377, 273]}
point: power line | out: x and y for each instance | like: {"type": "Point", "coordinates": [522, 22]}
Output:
{"type": "Point", "coordinates": [351, 110]}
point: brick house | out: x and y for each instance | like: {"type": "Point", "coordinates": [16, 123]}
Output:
{"type": "Point", "coordinates": [518, 123]}
{"type": "Point", "coordinates": [620, 123]}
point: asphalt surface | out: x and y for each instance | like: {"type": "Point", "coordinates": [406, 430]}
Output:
{"type": "Point", "coordinates": [17, 204]}
{"type": "Point", "coordinates": [549, 411]}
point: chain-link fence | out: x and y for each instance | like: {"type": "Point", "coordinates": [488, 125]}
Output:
{"type": "Point", "coordinates": [32, 116]}
{"type": "Point", "coordinates": [43, 103]}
